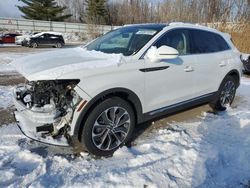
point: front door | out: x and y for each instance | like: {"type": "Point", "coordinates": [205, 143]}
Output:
{"type": "Point", "coordinates": [169, 82]}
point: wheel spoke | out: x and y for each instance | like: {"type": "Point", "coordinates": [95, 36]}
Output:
{"type": "Point", "coordinates": [120, 130]}
{"type": "Point", "coordinates": [100, 133]}
{"type": "Point", "coordinates": [120, 114]}
{"type": "Point", "coordinates": [105, 117]}
{"type": "Point", "coordinates": [112, 114]}
{"type": "Point", "coordinates": [124, 118]}
{"type": "Point", "coordinates": [103, 138]}
{"type": "Point", "coordinates": [109, 142]}
{"type": "Point", "coordinates": [118, 139]}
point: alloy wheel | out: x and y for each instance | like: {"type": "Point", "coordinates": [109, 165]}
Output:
{"type": "Point", "coordinates": [227, 93]}
{"type": "Point", "coordinates": [111, 128]}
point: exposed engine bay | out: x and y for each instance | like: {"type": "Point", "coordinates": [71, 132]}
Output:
{"type": "Point", "coordinates": [53, 103]}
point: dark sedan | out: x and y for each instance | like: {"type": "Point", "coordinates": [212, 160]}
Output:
{"type": "Point", "coordinates": [45, 39]}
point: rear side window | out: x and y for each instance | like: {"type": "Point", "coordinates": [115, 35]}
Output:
{"type": "Point", "coordinates": [207, 42]}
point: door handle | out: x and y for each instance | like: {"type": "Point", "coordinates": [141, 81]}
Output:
{"type": "Point", "coordinates": [189, 69]}
{"type": "Point", "coordinates": [223, 64]}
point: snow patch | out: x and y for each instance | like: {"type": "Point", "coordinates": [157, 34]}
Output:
{"type": "Point", "coordinates": [5, 62]}
{"type": "Point", "coordinates": [6, 97]}
{"type": "Point", "coordinates": [54, 64]}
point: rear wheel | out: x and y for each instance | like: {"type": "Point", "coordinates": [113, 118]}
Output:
{"type": "Point", "coordinates": [225, 94]}
{"type": "Point", "coordinates": [59, 45]}
{"type": "Point", "coordinates": [108, 126]}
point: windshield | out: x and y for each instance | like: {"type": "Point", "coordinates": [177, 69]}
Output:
{"type": "Point", "coordinates": [126, 40]}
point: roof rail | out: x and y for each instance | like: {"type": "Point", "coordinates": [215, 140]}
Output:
{"type": "Point", "coordinates": [184, 23]}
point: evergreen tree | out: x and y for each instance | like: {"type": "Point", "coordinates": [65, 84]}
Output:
{"type": "Point", "coordinates": [43, 10]}
{"type": "Point", "coordinates": [96, 11]}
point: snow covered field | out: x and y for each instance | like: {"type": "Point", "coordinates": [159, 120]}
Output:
{"type": "Point", "coordinates": [212, 150]}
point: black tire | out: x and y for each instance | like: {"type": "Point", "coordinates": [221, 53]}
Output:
{"type": "Point", "coordinates": [91, 126]}
{"type": "Point", "coordinates": [34, 45]}
{"type": "Point", "coordinates": [218, 104]}
{"type": "Point", "coordinates": [59, 45]}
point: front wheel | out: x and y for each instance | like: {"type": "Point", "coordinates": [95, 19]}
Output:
{"type": "Point", "coordinates": [34, 45]}
{"type": "Point", "coordinates": [225, 95]}
{"type": "Point", "coordinates": [108, 126]}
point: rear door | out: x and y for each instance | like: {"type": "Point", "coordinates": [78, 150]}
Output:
{"type": "Point", "coordinates": [169, 82]}
{"type": "Point", "coordinates": [212, 54]}
{"type": "Point", "coordinates": [53, 39]}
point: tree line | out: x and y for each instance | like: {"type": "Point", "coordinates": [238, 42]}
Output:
{"type": "Point", "coordinates": [114, 12]}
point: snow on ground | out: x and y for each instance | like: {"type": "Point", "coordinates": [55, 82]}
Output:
{"type": "Point", "coordinates": [5, 62]}
{"type": "Point", "coordinates": [5, 97]}
{"type": "Point", "coordinates": [212, 151]}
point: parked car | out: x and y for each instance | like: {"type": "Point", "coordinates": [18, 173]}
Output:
{"type": "Point", "coordinates": [8, 38]}
{"type": "Point", "coordinates": [245, 59]}
{"type": "Point", "coordinates": [19, 39]}
{"type": "Point", "coordinates": [45, 39]}
{"type": "Point", "coordinates": [97, 93]}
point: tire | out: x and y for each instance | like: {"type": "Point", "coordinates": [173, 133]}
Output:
{"type": "Point", "coordinates": [34, 45]}
{"type": "Point", "coordinates": [102, 134]}
{"type": "Point", "coordinates": [59, 45]}
{"type": "Point", "coordinates": [225, 94]}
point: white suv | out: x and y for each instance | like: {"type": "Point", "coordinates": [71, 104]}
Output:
{"type": "Point", "coordinates": [97, 93]}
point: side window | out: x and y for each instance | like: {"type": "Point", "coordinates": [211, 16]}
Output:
{"type": "Point", "coordinates": [41, 37]}
{"type": "Point", "coordinates": [207, 42]}
{"type": "Point", "coordinates": [53, 36]}
{"type": "Point", "coordinates": [221, 43]}
{"type": "Point", "coordinates": [178, 39]}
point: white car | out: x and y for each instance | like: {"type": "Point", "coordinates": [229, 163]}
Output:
{"type": "Point", "coordinates": [97, 93]}
{"type": "Point", "coordinates": [20, 39]}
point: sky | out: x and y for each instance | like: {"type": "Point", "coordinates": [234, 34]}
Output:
{"type": "Point", "coordinates": [8, 8]}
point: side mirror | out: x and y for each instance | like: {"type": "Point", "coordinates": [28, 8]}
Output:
{"type": "Point", "coordinates": [163, 52]}
{"type": "Point", "coordinates": [166, 52]}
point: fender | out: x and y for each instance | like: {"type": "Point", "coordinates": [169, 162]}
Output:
{"type": "Point", "coordinates": [123, 93]}
{"type": "Point", "coordinates": [235, 73]}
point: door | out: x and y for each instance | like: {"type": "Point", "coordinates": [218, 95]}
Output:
{"type": "Point", "coordinates": [43, 39]}
{"type": "Point", "coordinates": [53, 39]}
{"type": "Point", "coordinates": [169, 82]}
{"type": "Point", "coordinates": [212, 54]}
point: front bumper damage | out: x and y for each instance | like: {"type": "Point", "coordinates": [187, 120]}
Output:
{"type": "Point", "coordinates": [44, 125]}
{"type": "Point", "coordinates": [28, 122]}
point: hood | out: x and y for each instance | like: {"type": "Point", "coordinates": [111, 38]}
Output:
{"type": "Point", "coordinates": [54, 64]}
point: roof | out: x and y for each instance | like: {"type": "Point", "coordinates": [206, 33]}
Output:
{"type": "Point", "coordinates": [49, 32]}
{"type": "Point", "coordinates": [193, 25]}
{"type": "Point", "coordinates": [160, 26]}
{"type": "Point", "coordinates": [156, 26]}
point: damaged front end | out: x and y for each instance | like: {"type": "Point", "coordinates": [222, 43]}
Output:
{"type": "Point", "coordinates": [45, 109]}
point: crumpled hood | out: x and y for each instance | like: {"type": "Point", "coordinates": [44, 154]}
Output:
{"type": "Point", "coordinates": [56, 63]}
